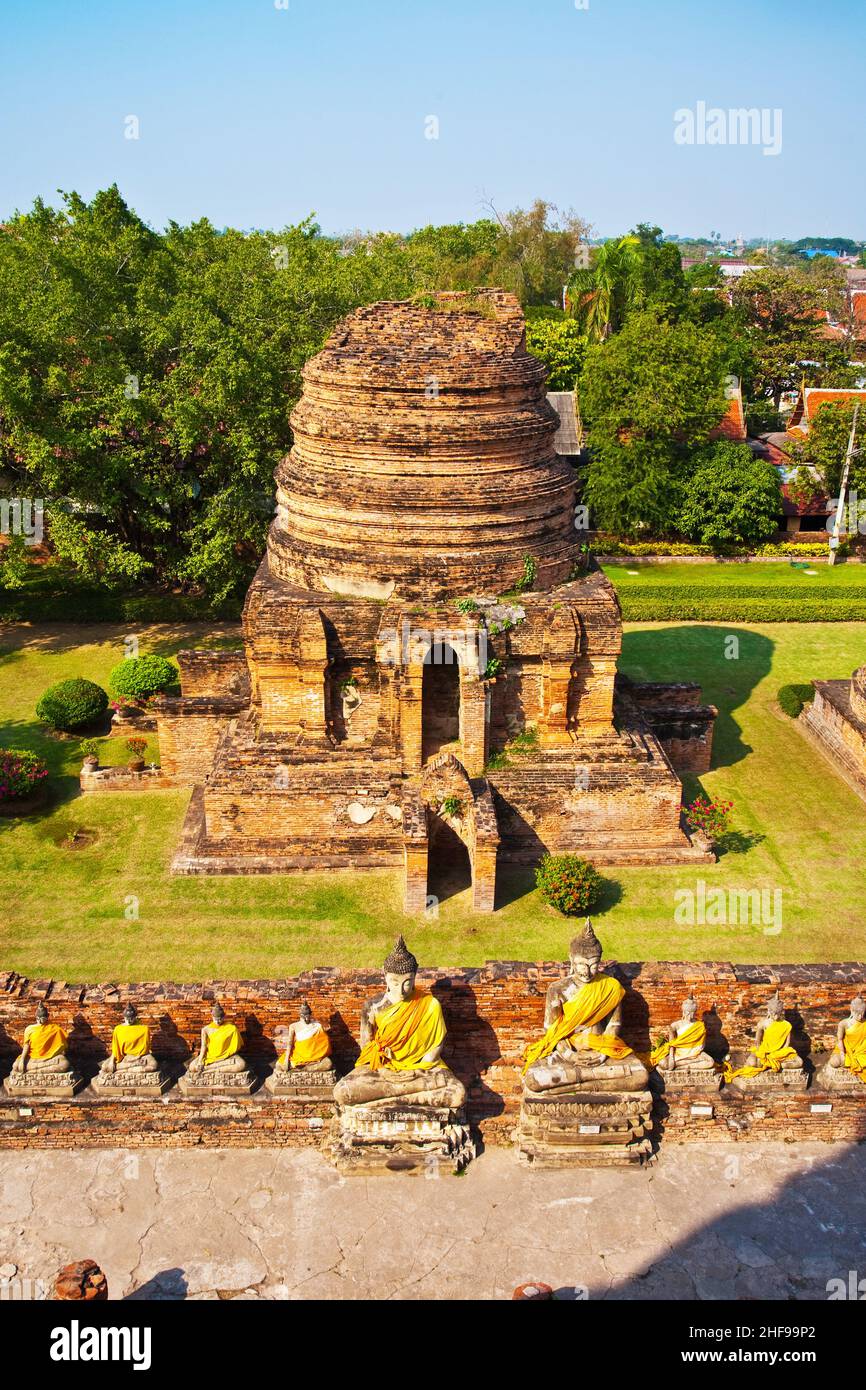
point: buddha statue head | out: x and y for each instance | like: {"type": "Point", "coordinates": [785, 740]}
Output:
{"type": "Point", "coordinates": [305, 1013]}
{"type": "Point", "coordinates": [690, 1008]}
{"type": "Point", "coordinates": [584, 954]}
{"type": "Point", "coordinates": [41, 1013]}
{"type": "Point", "coordinates": [216, 1013]}
{"type": "Point", "coordinates": [858, 1008]}
{"type": "Point", "coordinates": [400, 968]}
{"type": "Point", "coordinates": [129, 1014]}
{"type": "Point", "coordinates": [775, 1009]}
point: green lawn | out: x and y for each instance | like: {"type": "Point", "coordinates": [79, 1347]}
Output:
{"type": "Point", "coordinates": [800, 830]}
{"type": "Point", "coordinates": [814, 576]}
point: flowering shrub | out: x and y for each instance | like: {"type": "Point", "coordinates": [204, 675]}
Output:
{"type": "Point", "coordinates": [20, 773]}
{"type": "Point", "coordinates": [711, 818]}
{"type": "Point", "coordinates": [568, 883]}
{"type": "Point", "coordinates": [137, 747]}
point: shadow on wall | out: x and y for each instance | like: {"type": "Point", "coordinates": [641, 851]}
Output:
{"type": "Point", "coordinates": [727, 662]}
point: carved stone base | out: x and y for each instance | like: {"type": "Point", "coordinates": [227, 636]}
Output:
{"type": "Point", "coordinates": [690, 1079]}
{"type": "Point", "coordinates": [840, 1080]}
{"type": "Point", "coordinates": [585, 1128]}
{"type": "Point", "coordinates": [204, 1084]}
{"type": "Point", "coordinates": [772, 1081]}
{"type": "Point", "coordinates": [53, 1085]}
{"type": "Point", "coordinates": [299, 1084]}
{"type": "Point", "coordinates": [422, 1140]}
{"type": "Point", "coordinates": [145, 1083]}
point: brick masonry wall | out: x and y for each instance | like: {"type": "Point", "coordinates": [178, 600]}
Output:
{"type": "Point", "coordinates": [492, 1012]}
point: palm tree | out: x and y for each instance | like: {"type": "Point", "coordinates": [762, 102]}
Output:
{"type": "Point", "coordinates": [600, 296]}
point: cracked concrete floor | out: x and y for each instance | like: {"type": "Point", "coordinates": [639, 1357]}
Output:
{"type": "Point", "coordinates": [702, 1222]}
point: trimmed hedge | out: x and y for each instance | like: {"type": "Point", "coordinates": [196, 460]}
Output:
{"type": "Point", "coordinates": [139, 677]}
{"type": "Point", "coordinates": [663, 609]}
{"type": "Point", "coordinates": [91, 606]}
{"type": "Point", "coordinates": [72, 704]}
{"type": "Point", "coordinates": [792, 698]}
{"type": "Point", "coordinates": [568, 883]}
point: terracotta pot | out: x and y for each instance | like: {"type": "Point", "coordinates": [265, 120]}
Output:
{"type": "Point", "coordinates": [91, 764]}
{"type": "Point", "coordinates": [136, 764]}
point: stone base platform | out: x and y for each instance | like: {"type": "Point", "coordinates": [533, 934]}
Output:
{"type": "Point", "coordinates": [771, 1082]}
{"type": "Point", "coordinates": [690, 1079]}
{"type": "Point", "coordinates": [232, 1083]}
{"type": "Point", "coordinates": [302, 1085]}
{"type": "Point", "coordinates": [419, 1140]}
{"type": "Point", "coordinates": [147, 1085]}
{"type": "Point", "coordinates": [840, 1080]}
{"type": "Point", "coordinates": [585, 1128]}
{"type": "Point", "coordinates": [45, 1086]}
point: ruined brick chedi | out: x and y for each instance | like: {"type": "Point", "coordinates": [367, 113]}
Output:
{"type": "Point", "coordinates": [426, 673]}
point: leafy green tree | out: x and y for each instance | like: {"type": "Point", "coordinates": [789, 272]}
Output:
{"type": "Point", "coordinates": [649, 396]}
{"type": "Point", "coordinates": [781, 314]}
{"type": "Point", "coordinates": [731, 497]}
{"type": "Point", "coordinates": [603, 294]}
{"type": "Point", "coordinates": [561, 346]}
{"type": "Point", "coordinates": [825, 446]}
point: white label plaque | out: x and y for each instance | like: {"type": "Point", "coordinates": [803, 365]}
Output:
{"type": "Point", "coordinates": [590, 1129]}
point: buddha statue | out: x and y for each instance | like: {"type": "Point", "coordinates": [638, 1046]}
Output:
{"type": "Point", "coordinates": [772, 1058]}
{"type": "Point", "coordinates": [42, 1064]}
{"type": "Point", "coordinates": [402, 1032]}
{"type": "Point", "coordinates": [130, 1064]}
{"type": "Point", "coordinates": [683, 1050]}
{"type": "Point", "coordinates": [582, 1015]}
{"type": "Point", "coordinates": [220, 1061]}
{"type": "Point", "coordinates": [307, 1057]}
{"type": "Point", "coordinates": [846, 1066]}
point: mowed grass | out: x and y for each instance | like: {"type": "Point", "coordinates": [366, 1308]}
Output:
{"type": "Point", "coordinates": [813, 574]}
{"type": "Point", "coordinates": [69, 913]}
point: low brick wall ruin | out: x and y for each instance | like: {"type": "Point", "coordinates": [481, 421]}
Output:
{"type": "Point", "coordinates": [492, 1012]}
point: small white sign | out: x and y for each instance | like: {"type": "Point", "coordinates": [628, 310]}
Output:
{"type": "Point", "coordinates": [822, 1109]}
{"type": "Point", "coordinates": [25, 1113]}
{"type": "Point", "coordinates": [590, 1129]}
{"type": "Point", "coordinates": [702, 1110]}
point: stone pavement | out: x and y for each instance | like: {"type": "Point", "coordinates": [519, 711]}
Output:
{"type": "Point", "coordinates": [702, 1222]}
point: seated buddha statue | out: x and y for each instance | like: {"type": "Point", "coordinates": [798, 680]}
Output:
{"type": "Point", "coordinates": [308, 1046]}
{"type": "Point", "coordinates": [402, 1032]}
{"type": "Point", "coordinates": [772, 1051]}
{"type": "Point", "coordinates": [582, 1018]}
{"type": "Point", "coordinates": [307, 1056]}
{"type": "Point", "coordinates": [847, 1061]}
{"type": "Point", "coordinates": [42, 1061]}
{"type": "Point", "coordinates": [130, 1061]}
{"type": "Point", "coordinates": [220, 1052]}
{"type": "Point", "coordinates": [683, 1049]}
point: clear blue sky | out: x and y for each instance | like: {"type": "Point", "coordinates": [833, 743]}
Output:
{"type": "Point", "coordinates": [255, 116]}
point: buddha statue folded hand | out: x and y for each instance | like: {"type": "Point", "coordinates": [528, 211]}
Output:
{"type": "Point", "coordinates": [771, 1055]}
{"type": "Point", "coordinates": [581, 1045]}
{"type": "Point", "coordinates": [130, 1062]}
{"type": "Point", "coordinates": [847, 1062]}
{"type": "Point", "coordinates": [402, 1032]}
{"type": "Point", "coordinates": [220, 1061]}
{"type": "Point", "coordinates": [42, 1063]}
{"type": "Point", "coordinates": [683, 1049]}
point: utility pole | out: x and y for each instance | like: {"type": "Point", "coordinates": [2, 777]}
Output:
{"type": "Point", "coordinates": [843, 489]}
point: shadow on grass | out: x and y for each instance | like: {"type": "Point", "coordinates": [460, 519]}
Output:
{"type": "Point", "coordinates": [727, 662]}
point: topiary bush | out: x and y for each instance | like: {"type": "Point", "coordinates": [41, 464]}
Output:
{"type": "Point", "coordinates": [72, 704]}
{"type": "Point", "coordinates": [792, 698]}
{"type": "Point", "coordinates": [140, 677]}
{"type": "Point", "coordinates": [568, 883]}
{"type": "Point", "coordinates": [20, 773]}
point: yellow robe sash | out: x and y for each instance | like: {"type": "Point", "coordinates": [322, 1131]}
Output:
{"type": "Point", "coordinates": [310, 1049]}
{"type": "Point", "coordinates": [771, 1052]}
{"type": "Point", "coordinates": [130, 1040]}
{"type": "Point", "coordinates": [223, 1041]}
{"type": "Point", "coordinates": [403, 1035]}
{"type": "Point", "coordinates": [855, 1050]}
{"type": "Point", "coordinates": [693, 1036]}
{"type": "Point", "coordinates": [593, 1002]}
{"type": "Point", "coordinates": [45, 1040]}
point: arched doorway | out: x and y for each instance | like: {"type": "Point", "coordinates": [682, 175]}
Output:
{"type": "Point", "coordinates": [449, 870]}
{"type": "Point", "coordinates": [440, 701]}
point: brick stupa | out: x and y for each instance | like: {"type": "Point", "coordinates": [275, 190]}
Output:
{"type": "Point", "coordinates": [403, 690]}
